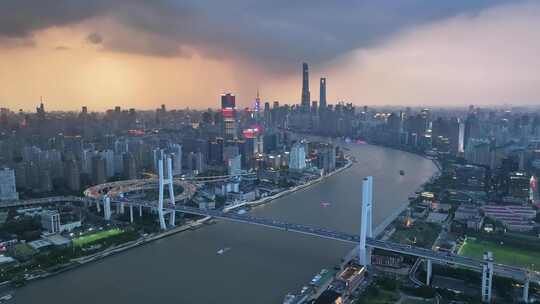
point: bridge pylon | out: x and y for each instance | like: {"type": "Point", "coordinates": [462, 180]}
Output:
{"type": "Point", "coordinates": [162, 182]}
{"type": "Point", "coordinates": [366, 225]}
{"type": "Point", "coordinates": [429, 271]}
{"type": "Point", "coordinates": [487, 277]}
{"type": "Point", "coordinates": [526, 288]}
{"type": "Point", "coordinates": [107, 208]}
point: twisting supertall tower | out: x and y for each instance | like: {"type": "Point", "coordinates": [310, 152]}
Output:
{"type": "Point", "coordinates": [169, 182]}
{"type": "Point", "coordinates": [305, 87]}
{"type": "Point", "coordinates": [322, 94]}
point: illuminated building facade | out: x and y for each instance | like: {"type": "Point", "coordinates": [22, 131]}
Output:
{"type": "Point", "coordinates": [228, 113]}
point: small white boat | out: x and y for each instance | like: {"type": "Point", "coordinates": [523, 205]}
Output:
{"type": "Point", "coordinates": [223, 250]}
{"type": "Point", "coordinates": [6, 298]}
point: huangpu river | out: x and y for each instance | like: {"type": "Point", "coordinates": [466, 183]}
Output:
{"type": "Point", "coordinates": [262, 265]}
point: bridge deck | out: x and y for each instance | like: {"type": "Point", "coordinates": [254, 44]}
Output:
{"type": "Point", "coordinates": [513, 272]}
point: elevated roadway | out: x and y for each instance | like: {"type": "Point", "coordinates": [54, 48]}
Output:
{"type": "Point", "coordinates": [507, 271]}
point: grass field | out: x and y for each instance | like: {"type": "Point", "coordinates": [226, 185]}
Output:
{"type": "Point", "coordinates": [24, 250]}
{"type": "Point", "coordinates": [502, 254]}
{"type": "Point", "coordinates": [419, 234]}
{"type": "Point", "coordinates": [382, 297]}
{"type": "Point", "coordinates": [96, 236]}
{"type": "Point", "coordinates": [417, 301]}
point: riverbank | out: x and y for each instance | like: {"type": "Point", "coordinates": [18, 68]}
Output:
{"type": "Point", "coordinates": [78, 262]}
{"type": "Point", "coordinates": [382, 227]}
{"type": "Point", "coordinates": [390, 219]}
{"type": "Point", "coordinates": [305, 186]}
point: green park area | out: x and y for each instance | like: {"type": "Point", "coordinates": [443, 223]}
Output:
{"type": "Point", "coordinates": [417, 301]}
{"type": "Point", "coordinates": [505, 254]}
{"type": "Point", "coordinates": [23, 251]}
{"type": "Point", "coordinates": [90, 238]}
{"type": "Point", "coordinates": [419, 234]}
{"type": "Point", "coordinates": [379, 296]}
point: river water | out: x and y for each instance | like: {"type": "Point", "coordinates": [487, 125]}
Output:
{"type": "Point", "coordinates": [262, 264]}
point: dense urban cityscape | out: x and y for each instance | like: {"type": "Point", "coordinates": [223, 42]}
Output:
{"type": "Point", "coordinates": [325, 197]}
{"type": "Point", "coordinates": [64, 170]}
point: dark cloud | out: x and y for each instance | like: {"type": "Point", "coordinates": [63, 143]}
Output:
{"type": "Point", "coordinates": [94, 38]}
{"type": "Point", "coordinates": [273, 33]}
{"type": "Point", "coordinates": [19, 18]}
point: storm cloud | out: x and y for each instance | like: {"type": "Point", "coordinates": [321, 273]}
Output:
{"type": "Point", "coordinates": [269, 33]}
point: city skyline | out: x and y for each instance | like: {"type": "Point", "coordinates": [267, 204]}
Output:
{"type": "Point", "coordinates": [447, 54]}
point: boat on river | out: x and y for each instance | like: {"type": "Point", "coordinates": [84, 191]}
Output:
{"type": "Point", "coordinates": [223, 250]}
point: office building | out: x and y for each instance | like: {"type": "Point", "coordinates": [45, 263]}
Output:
{"type": "Point", "coordinates": [175, 151]}
{"type": "Point", "coordinates": [322, 94]}
{"type": "Point", "coordinates": [306, 98]}
{"type": "Point", "coordinates": [130, 166]}
{"type": "Point", "coordinates": [72, 175]}
{"type": "Point", "coordinates": [195, 162]}
{"type": "Point", "coordinates": [99, 171]}
{"type": "Point", "coordinates": [461, 138]}
{"type": "Point", "coordinates": [50, 221]}
{"type": "Point", "coordinates": [45, 181]}
{"type": "Point", "coordinates": [472, 130]}
{"type": "Point", "coordinates": [230, 152]}
{"type": "Point", "coordinates": [477, 151]}
{"type": "Point", "coordinates": [327, 158]}
{"type": "Point", "coordinates": [8, 190]}
{"type": "Point", "coordinates": [228, 116]}
{"type": "Point", "coordinates": [235, 165]}
{"type": "Point", "coordinates": [519, 185]}
{"type": "Point", "coordinates": [215, 152]}
{"type": "Point", "coordinates": [108, 156]}
{"type": "Point", "coordinates": [297, 157]}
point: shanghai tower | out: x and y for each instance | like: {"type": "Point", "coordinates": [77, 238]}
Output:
{"type": "Point", "coordinates": [305, 87]}
{"type": "Point", "coordinates": [322, 96]}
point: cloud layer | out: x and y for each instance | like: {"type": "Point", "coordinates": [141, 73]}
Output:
{"type": "Point", "coordinates": [488, 58]}
{"type": "Point", "coordinates": [272, 33]}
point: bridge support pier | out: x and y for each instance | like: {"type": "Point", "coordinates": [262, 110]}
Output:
{"type": "Point", "coordinates": [487, 276]}
{"type": "Point", "coordinates": [364, 255]}
{"type": "Point", "coordinates": [122, 209]}
{"type": "Point", "coordinates": [140, 211]}
{"type": "Point", "coordinates": [429, 270]}
{"type": "Point", "coordinates": [162, 183]}
{"type": "Point", "coordinates": [107, 208]}
{"type": "Point", "coordinates": [526, 291]}
{"type": "Point", "coordinates": [131, 213]}
{"type": "Point", "coordinates": [98, 207]}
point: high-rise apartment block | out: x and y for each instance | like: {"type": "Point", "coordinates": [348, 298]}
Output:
{"type": "Point", "coordinates": [7, 185]}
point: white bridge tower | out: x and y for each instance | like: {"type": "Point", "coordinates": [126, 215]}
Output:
{"type": "Point", "coordinates": [169, 182]}
{"type": "Point", "coordinates": [487, 277]}
{"type": "Point", "coordinates": [366, 225]}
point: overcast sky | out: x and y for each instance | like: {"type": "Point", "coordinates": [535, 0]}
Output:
{"type": "Point", "coordinates": [138, 53]}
